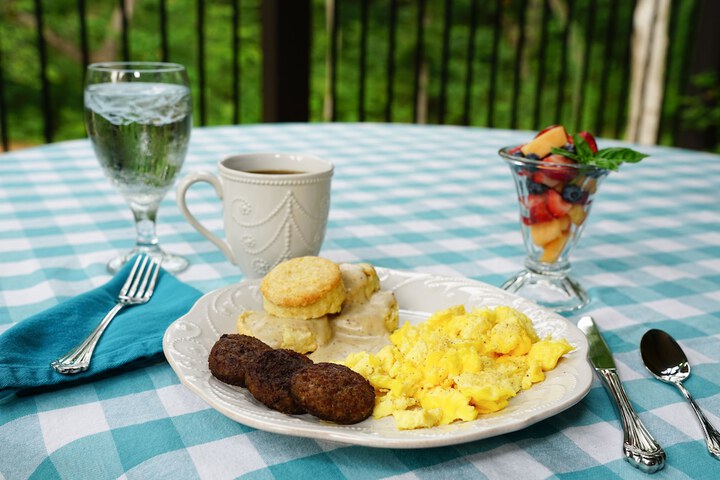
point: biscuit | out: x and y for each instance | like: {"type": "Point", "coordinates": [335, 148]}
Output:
{"type": "Point", "coordinates": [303, 287]}
{"type": "Point", "coordinates": [360, 280]}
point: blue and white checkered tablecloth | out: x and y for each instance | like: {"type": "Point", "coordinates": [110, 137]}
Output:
{"type": "Point", "coordinates": [428, 199]}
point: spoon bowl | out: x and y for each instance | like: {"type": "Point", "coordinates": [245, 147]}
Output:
{"type": "Point", "coordinates": [663, 357]}
{"type": "Point", "coordinates": [666, 360]}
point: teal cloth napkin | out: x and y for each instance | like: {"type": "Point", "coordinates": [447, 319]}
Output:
{"type": "Point", "coordinates": [133, 338]}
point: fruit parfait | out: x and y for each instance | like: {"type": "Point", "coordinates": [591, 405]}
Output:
{"type": "Point", "coordinates": [556, 176]}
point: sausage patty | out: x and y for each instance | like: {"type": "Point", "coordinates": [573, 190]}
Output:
{"type": "Point", "coordinates": [230, 356]}
{"type": "Point", "coordinates": [268, 378]}
{"type": "Point", "coordinates": [333, 392]}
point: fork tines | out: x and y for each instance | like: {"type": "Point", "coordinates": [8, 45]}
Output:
{"type": "Point", "coordinates": [142, 278]}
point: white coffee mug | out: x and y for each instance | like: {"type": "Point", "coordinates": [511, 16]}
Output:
{"type": "Point", "coordinates": [275, 207]}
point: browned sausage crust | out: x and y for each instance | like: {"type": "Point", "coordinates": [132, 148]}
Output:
{"type": "Point", "coordinates": [268, 378]}
{"type": "Point", "coordinates": [230, 356]}
{"type": "Point", "coordinates": [333, 392]}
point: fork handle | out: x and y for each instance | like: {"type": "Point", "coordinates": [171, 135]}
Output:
{"type": "Point", "coordinates": [78, 359]}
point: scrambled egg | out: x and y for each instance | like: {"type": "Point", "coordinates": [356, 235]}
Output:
{"type": "Point", "coordinates": [456, 366]}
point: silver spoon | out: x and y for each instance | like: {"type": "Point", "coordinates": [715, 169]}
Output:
{"type": "Point", "coordinates": [664, 358]}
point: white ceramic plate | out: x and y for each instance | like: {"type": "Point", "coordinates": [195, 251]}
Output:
{"type": "Point", "coordinates": [187, 343]}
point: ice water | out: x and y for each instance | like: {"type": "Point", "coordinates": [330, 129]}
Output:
{"type": "Point", "coordinates": [140, 133]}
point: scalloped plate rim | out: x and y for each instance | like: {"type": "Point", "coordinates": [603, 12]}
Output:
{"type": "Point", "coordinates": [364, 434]}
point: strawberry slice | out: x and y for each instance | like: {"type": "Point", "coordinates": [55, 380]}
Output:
{"type": "Point", "coordinates": [538, 209]}
{"type": "Point", "coordinates": [541, 177]}
{"type": "Point", "coordinates": [513, 151]}
{"type": "Point", "coordinates": [587, 136]}
{"type": "Point", "coordinates": [556, 205]}
{"type": "Point", "coordinates": [554, 167]}
{"type": "Point", "coordinates": [532, 200]}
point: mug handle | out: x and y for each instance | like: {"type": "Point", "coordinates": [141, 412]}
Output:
{"type": "Point", "coordinates": [183, 186]}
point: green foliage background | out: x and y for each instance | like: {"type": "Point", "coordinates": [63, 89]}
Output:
{"type": "Point", "coordinates": [600, 39]}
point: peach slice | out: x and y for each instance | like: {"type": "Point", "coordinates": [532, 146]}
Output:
{"type": "Point", "coordinates": [590, 185]}
{"type": "Point", "coordinates": [541, 145]}
{"type": "Point", "coordinates": [552, 250]}
{"type": "Point", "coordinates": [577, 214]}
{"type": "Point", "coordinates": [545, 232]}
{"type": "Point", "coordinates": [564, 222]}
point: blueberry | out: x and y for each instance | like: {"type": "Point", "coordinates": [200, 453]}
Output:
{"type": "Point", "coordinates": [569, 147]}
{"type": "Point", "coordinates": [535, 188]}
{"type": "Point", "coordinates": [519, 154]}
{"type": "Point", "coordinates": [572, 193]}
{"type": "Point", "coordinates": [595, 172]}
{"type": "Point", "coordinates": [532, 156]}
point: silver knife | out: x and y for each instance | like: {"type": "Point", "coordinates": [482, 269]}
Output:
{"type": "Point", "coordinates": [640, 448]}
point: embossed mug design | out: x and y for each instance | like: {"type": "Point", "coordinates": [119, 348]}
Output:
{"type": "Point", "coordinates": [275, 207]}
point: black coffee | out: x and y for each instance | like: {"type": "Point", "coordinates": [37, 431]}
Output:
{"type": "Point", "coordinates": [275, 172]}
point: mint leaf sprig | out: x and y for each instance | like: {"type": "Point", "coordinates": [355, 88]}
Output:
{"type": "Point", "coordinates": [608, 158]}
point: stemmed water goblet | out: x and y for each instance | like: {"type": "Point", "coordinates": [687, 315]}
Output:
{"type": "Point", "coordinates": [139, 117]}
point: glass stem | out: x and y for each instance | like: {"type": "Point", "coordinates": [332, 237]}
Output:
{"type": "Point", "coordinates": [147, 239]}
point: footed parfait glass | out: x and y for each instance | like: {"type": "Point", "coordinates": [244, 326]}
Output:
{"type": "Point", "coordinates": [554, 201]}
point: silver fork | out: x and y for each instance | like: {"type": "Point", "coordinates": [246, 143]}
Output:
{"type": "Point", "coordinates": [138, 289]}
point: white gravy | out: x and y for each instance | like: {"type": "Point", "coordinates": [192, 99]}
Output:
{"type": "Point", "coordinates": [364, 323]}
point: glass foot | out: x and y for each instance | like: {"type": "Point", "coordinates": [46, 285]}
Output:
{"type": "Point", "coordinates": [170, 262]}
{"type": "Point", "coordinates": [557, 293]}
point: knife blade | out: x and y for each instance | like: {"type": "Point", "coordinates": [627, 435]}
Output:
{"type": "Point", "coordinates": [598, 352]}
{"type": "Point", "coordinates": [641, 450]}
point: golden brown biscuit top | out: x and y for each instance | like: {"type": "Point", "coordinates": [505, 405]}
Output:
{"type": "Point", "coordinates": [301, 281]}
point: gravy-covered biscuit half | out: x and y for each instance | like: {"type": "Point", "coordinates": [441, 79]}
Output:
{"type": "Point", "coordinates": [301, 335]}
{"type": "Point", "coordinates": [360, 280]}
{"type": "Point", "coordinates": [304, 287]}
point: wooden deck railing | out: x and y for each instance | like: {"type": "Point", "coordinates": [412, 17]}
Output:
{"type": "Point", "coordinates": [496, 63]}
